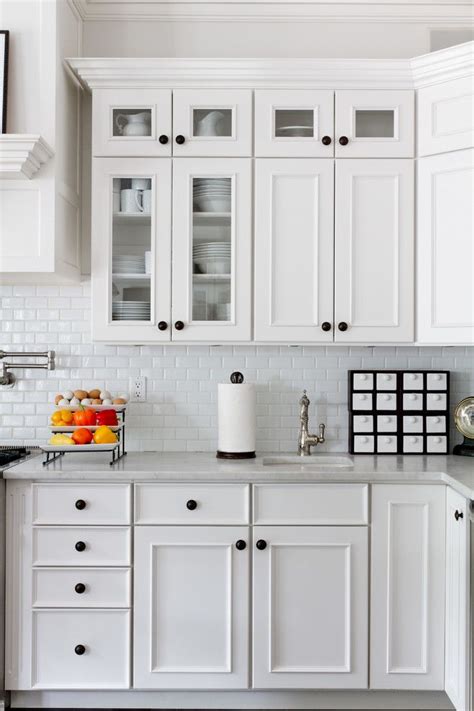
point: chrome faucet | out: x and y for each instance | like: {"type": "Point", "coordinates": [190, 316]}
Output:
{"type": "Point", "coordinates": [306, 440]}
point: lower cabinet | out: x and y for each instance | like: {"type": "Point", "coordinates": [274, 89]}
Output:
{"type": "Point", "coordinates": [191, 607]}
{"type": "Point", "coordinates": [310, 614]}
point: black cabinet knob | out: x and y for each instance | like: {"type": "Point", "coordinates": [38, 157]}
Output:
{"type": "Point", "coordinates": [342, 326]}
{"type": "Point", "coordinates": [179, 325]}
{"type": "Point", "coordinates": [458, 515]}
{"type": "Point", "coordinates": [326, 326]}
{"type": "Point", "coordinates": [162, 325]}
{"type": "Point", "coordinates": [343, 140]}
{"type": "Point", "coordinates": [80, 588]}
{"type": "Point", "coordinates": [80, 504]}
{"type": "Point", "coordinates": [241, 545]}
{"type": "Point", "coordinates": [261, 544]}
{"type": "Point", "coordinates": [180, 140]}
{"type": "Point", "coordinates": [80, 546]}
{"type": "Point", "coordinates": [163, 139]}
{"type": "Point", "coordinates": [326, 140]}
{"type": "Point", "coordinates": [191, 504]}
{"type": "Point", "coordinates": [79, 649]}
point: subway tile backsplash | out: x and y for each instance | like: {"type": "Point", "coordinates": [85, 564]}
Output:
{"type": "Point", "coordinates": [180, 412]}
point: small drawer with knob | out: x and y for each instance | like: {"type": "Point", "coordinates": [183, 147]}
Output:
{"type": "Point", "coordinates": [386, 423]}
{"type": "Point", "coordinates": [77, 546]}
{"type": "Point", "coordinates": [436, 444]}
{"type": "Point", "coordinates": [412, 401]}
{"type": "Point", "coordinates": [81, 503]}
{"type": "Point", "coordinates": [412, 444]}
{"type": "Point", "coordinates": [412, 423]}
{"type": "Point", "coordinates": [81, 649]}
{"type": "Point", "coordinates": [413, 381]}
{"type": "Point", "coordinates": [363, 381]}
{"type": "Point", "coordinates": [192, 504]}
{"type": "Point", "coordinates": [436, 401]}
{"type": "Point", "coordinates": [363, 444]}
{"type": "Point", "coordinates": [363, 423]}
{"type": "Point", "coordinates": [436, 381]}
{"type": "Point", "coordinates": [362, 401]}
{"type": "Point", "coordinates": [386, 381]}
{"type": "Point", "coordinates": [435, 423]}
{"type": "Point", "coordinates": [387, 444]}
{"type": "Point", "coordinates": [81, 587]}
{"type": "Point", "coordinates": [386, 401]}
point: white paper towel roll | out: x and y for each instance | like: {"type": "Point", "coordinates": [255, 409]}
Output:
{"type": "Point", "coordinates": [237, 420]}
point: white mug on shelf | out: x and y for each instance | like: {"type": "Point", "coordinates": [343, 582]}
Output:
{"type": "Point", "coordinates": [146, 201]}
{"type": "Point", "coordinates": [130, 201]}
{"type": "Point", "coordinates": [141, 183]}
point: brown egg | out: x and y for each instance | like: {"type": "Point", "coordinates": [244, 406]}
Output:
{"type": "Point", "coordinates": [57, 399]}
{"type": "Point", "coordinates": [118, 401]}
{"type": "Point", "coordinates": [81, 394]}
{"type": "Point", "coordinates": [94, 394]}
{"type": "Point", "coordinates": [96, 401]}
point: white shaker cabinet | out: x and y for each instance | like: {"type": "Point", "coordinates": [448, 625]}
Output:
{"type": "Point", "coordinates": [458, 605]}
{"type": "Point", "coordinates": [374, 251]}
{"type": "Point", "coordinates": [294, 245]}
{"type": "Point", "coordinates": [191, 607]}
{"type": "Point", "coordinates": [310, 587]}
{"type": "Point", "coordinates": [407, 587]}
{"type": "Point", "coordinates": [445, 251]}
{"type": "Point", "coordinates": [445, 116]}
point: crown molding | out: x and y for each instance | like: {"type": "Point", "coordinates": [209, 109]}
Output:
{"type": "Point", "coordinates": [446, 64]}
{"type": "Point", "coordinates": [22, 155]}
{"type": "Point", "coordinates": [446, 13]}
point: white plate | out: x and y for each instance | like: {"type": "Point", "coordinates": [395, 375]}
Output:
{"type": "Point", "coordinates": [79, 447]}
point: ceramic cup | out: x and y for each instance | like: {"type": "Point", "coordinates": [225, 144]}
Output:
{"type": "Point", "coordinates": [130, 200]}
{"type": "Point", "coordinates": [141, 183]}
{"type": "Point", "coordinates": [146, 200]}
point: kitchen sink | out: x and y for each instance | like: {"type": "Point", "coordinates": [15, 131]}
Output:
{"type": "Point", "coordinates": [314, 461]}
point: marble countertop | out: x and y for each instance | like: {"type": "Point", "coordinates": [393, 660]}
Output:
{"type": "Point", "coordinates": [457, 472]}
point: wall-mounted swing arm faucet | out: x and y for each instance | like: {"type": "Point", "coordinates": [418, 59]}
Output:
{"type": "Point", "coordinates": [8, 379]}
{"type": "Point", "coordinates": [306, 440]}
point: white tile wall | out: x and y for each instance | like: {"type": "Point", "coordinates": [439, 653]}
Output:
{"type": "Point", "coordinates": [180, 413]}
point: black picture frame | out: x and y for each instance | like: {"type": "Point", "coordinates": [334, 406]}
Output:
{"type": "Point", "coordinates": [4, 45]}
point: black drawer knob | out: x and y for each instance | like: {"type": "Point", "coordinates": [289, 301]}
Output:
{"type": "Point", "coordinates": [191, 505]}
{"type": "Point", "coordinates": [326, 326]}
{"type": "Point", "coordinates": [162, 325]}
{"type": "Point", "coordinates": [342, 326]}
{"type": "Point", "coordinates": [343, 140]}
{"type": "Point", "coordinates": [241, 545]}
{"type": "Point", "coordinates": [80, 588]}
{"type": "Point", "coordinates": [180, 140]}
{"type": "Point", "coordinates": [458, 515]}
{"type": "Point", "coordinates": [80, 546]}
{"type": "Point", "coordinates": [261, 544]}
{"type": "Point", "coordinates": [326, 140]}
{"type": "Point", "coordinates": [163, 139]}
{"type": "Point", "coordinates": [80, 649]}
{"type": "Point", "coordinates": [80, 504]}
{"type": "Point", "coordinates": [179, 325]}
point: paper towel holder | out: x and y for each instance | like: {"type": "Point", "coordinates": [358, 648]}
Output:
{"type": "Point", "coordinates": [236, 378]}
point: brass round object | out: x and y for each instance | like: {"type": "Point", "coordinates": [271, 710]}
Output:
{"type": "Point", "coordinates": [464, 417]}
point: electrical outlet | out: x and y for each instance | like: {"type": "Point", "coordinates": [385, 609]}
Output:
{"type": "Point", "coordinates": [138, 389]}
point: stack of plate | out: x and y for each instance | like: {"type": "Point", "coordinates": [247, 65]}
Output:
{"type": "Point", "coordinates": [131, 310]}
{"type": "Point", "coordinates": [212, 258]}
{"type": "Point", "coordinates": [128, 264]}
{"type": "Point", "coordinates": [212, 194]}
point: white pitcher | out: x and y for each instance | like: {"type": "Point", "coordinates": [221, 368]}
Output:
{"type": "Point", "coordinates": [134, 124]}
{"type": "Point", "coordinates": [208, 126]}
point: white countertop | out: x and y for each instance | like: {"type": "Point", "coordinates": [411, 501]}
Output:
{"type": "Point", "coordinates": [457, 472]}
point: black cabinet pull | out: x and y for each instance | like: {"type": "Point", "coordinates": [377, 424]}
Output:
{"type": "Point", "coordinates": [326, 140]}
{"type": "Point", "coordinates": [179, 325]}
{"type": "Point", "coordinates": [458, 515]}
{"type": "Point", "coordinates": [180, 140]}
{"type": "Point", "coordinates": [261, 544]}
{"type": "Point", "coordinates": [343, 140]}
{"type": "Point", "coordinates": [241, 545]}
{"type": "Point", "coordinates": [163, 139]}
{"type": "Point", "coordinates": [80, 588]}
{"type": "Point", "coordinates": [79, 649]}
{"type": "Point", "coordinates": [80, 546]}
{"type": "Point", "coordinates": [80, 504]}
{"type": "Point", "coordinates": [326, 326]}
{"type": "Point", "coordinates": [191, 505]}
{"type": "Point", "coordinates": [162, 325]}
{"type": "Point", "coordinates": [342, 326]}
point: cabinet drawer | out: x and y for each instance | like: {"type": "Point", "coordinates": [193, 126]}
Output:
{"type": "Point", "coordinates": [81, 546]}
{"type": "Point", "coordinates": [81, 503]}
{"type": "Point", "coordinates": [81, 587]}
{"type": "Point", "coordinates": [75, 649]}
{"type": "Point", "coordinates": [193, 504]}
{"type": "Point", "coordinates": [317, 504]}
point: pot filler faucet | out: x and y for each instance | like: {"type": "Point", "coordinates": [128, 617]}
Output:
{"type": "Point", "coordinates": [306, 440]}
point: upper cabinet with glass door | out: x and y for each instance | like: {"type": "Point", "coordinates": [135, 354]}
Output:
{"type": "Point", "coordinates": [375, 124]}
{"type": "Point", "coordinates": [131, 122]}
{"type": "Point", "coordinates": [294, 123]}
{"type": "Point", "coordinates": [212, 122]}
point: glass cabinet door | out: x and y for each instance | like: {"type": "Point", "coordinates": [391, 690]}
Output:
{"type": "Point", "coordinates": [294, 122]}
{"type": "Point", "coordinates": [131, 247]}
{"type": "Point", "coordinates": [212, 122]}
{"type": "Point", "coordinates": [131, 122]}
{"type": "Point", "coordinates": [211, 249]}
{"type": "Point", "coordinates": [378, 124]}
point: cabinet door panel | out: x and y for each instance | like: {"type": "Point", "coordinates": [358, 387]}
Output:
{"type": "Point", "coordinates": [310, 608]}
{"type": "Point", "coordinates": [294, 250]}
{"type": "Point", "coordinates": [191, 608]}
{"type": "Point", "coordinates": [374, 250]}
{"type": "Point", "coordinates": [445, 248]}
{"type": "Point", "coordinates": [407, 589]}
{"type": "Point", "coordinates": [445, 116]}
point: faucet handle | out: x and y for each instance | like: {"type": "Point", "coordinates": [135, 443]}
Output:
{"type": "Point", "coordinates": [321, 433]}
{"type": "Point", "coordinates": [304, 400]}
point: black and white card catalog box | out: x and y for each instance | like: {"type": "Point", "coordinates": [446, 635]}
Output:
{"type": "Point", "coordinates": [398, 412]}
